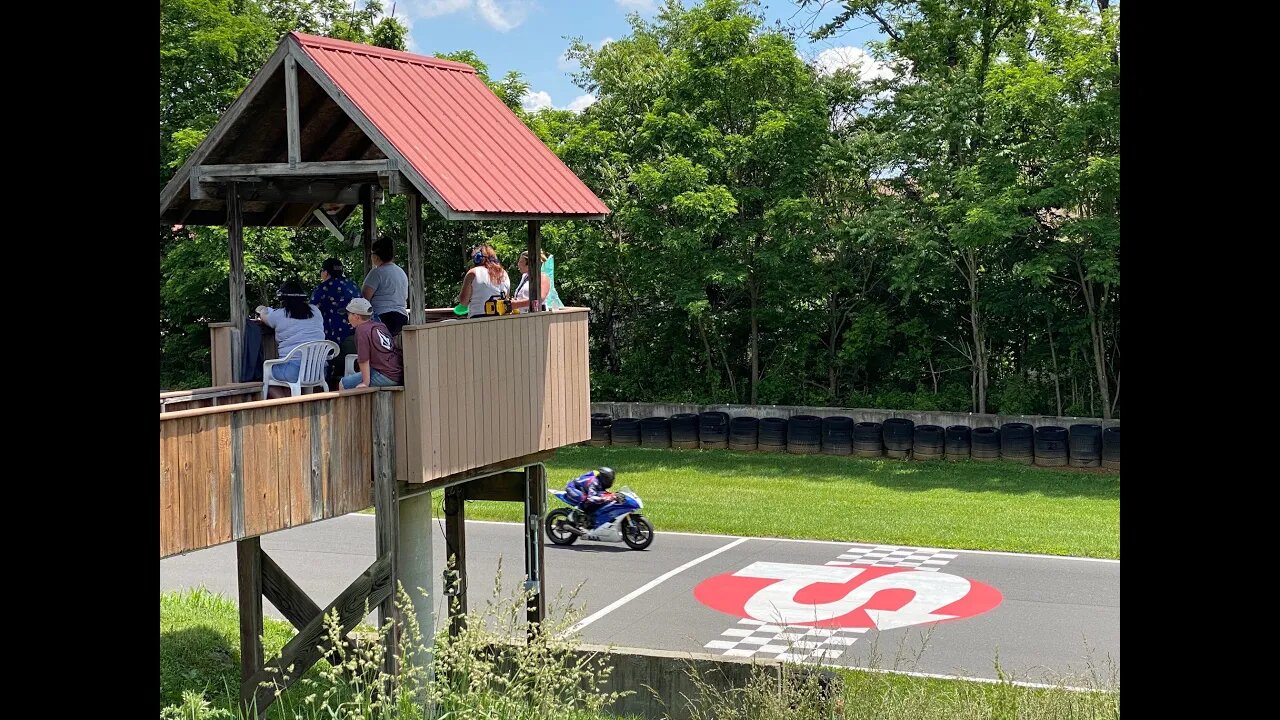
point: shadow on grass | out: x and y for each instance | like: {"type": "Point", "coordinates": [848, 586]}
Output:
{"type": "Point", "coordinates": [904, 475]}
{"type": "Point", "coordinates": [200, 659]}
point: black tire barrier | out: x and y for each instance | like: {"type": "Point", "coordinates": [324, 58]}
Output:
{"type": "Point", "coordinates": [1111, 448]}
{"type": "Point", "coordinates": [804, 435]}
{"type": "Point", "coordinates": [837, 435]}
{"type": "Point", "coordinates": [985, 444]}
{"type": "Point", "coordinates": [929, 442]}
{"type": "Point", "coordinates": [655, 432]}
{"type": "Point", "coordinates": [601, 423]}
{"type": "Point", "coordinates": [773, 435]}
{"type": "Point", "coordinates": [1086, 445]}
{"type": "Point", "coordinates": [713, 430]}
{"type": "Point", "coordinates": [897, 454]}
{"type": "Point", "coordinates": [956, 442]}
{"type": "Point", "coordinates": [867, 441]}
{"type": "Point", "coordinates": [625, 432]}
{"type": "Point", "coordinates": [684, 431]}
{"type": "Point", "coordinates": [1051, 446]}
{"type": "Point", "coordinates": [744, 433]}
{"type": "Point", "coordinates": [899, 434]}
{"type": "Point", "coordinates": [1016, 444]}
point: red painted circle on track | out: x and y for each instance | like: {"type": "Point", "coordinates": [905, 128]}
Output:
{"type": "Point", "coordinates": [889, 596]}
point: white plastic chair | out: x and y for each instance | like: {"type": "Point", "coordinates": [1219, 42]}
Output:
{"type": "Point", "coordinates": [351, 363]}
{"type": "Point", "coordinates": [314, 357]}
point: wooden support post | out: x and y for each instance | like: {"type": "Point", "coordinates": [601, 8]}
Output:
{"type": "Point", "coordinates": [535, 500]}
{"type": "Point", "coordinates": [535, 265]}
{"type": "Point", "coordinates": [386, 515]}
{"type": "Point", "coordinates": [292, 123]}
{"type": "Point", "coordinates": [249, 567]}
{"type": "Point", "coordinates": [239, 309]}
{"type": "Point", "coordinates": [413, 223]}
{"type": "Point", "coordinates": [370, 225]}
{"type": "Point", "coordinates": [299, 654]}
{"type": "Point", "coordinates": [455, 538]}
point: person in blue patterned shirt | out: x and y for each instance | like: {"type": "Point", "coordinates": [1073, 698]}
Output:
{"type": "Point", "coordinates": [331, 296]}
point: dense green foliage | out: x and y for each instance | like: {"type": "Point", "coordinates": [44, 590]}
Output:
{"type": "Point", "coordinates": [940, 234]}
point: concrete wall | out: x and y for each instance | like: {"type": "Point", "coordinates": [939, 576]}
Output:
{"type": "Point", "coordinates": [920, 417]}
{"type": "Point", "coordinates": [667, 673]}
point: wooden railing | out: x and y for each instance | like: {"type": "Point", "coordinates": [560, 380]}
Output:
{"type": "Point", "coordinates": [235, 471]}
{"type": "Point", "coordinates": [479, 396]}
{"type": "Point", "coordinates": [483, 391]}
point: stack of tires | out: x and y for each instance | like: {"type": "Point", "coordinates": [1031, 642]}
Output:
{"type": "Point", "coordinates": [899, 434]}
{"type": "Point", "coordinates": [625, 432]}
{"type": "Point", "coordinates": [1051, 446]}
{"type": "Point", "coordinates": [956, 445]}
{"type": "Point", "coordinates": [804, 435]}
{"type": "Point", "coordinates": [1111, 448]}
{"type": "Point", "coordinates": [837, 435]}
{"type": "Point", "coordinates": [928, 443]}
{"type": "Point", "coordinates": [984, 443]}
{"type": "Point", "coordinates": [1016, 443]}
{"type": "Point", "coordinates": [713, 430]}
{"type": "Point", "coordinates": [867, 440]}
{"type": "Point", "coordinates": [684, 431]}
{"type": "Point", "coordinates": [655, 432]}
{"type": "Point", "coordinates": [600, 424]}
{"type": "Point", "coordinates": [1086, 445]}
{"type": "Point", "coordinates": [772, 435]}
{"type": "Point", "coordinates": [743, 433]}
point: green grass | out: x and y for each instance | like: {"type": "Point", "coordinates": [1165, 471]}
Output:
{"type": "Point", "coordinates": [199, 645]}
{"type": "Point", "coordinates": [981, 506]}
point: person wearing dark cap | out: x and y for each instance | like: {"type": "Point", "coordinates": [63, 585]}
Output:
{"type": "Point", "coordinates": [331, 296]}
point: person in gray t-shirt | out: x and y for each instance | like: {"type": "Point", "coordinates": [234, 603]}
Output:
{"type": "Point", "coordinates": [386, 287]}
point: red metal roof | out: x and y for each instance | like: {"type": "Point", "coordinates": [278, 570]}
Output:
{"type": "Point", "coordinates": [441, 117]}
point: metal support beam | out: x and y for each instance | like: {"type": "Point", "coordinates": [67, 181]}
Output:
{"type": "Point", "coordinates": [535, 500]}
{"type": "Point", "coordinates": [415, 567]}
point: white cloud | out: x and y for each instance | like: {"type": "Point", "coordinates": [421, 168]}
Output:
{"type": "Point", "coordinates": [535, 101]}
{"type": "Point", "coordinates": [501, 16]}
{"type": "Point", "coordinates": [541, 100]}
{"type": "Point", "coordinates": [582, 102]}
{"type": "Point", "coordinates": [855, 59]}
{"type": "Point", "coordinates": [432, 8]}
{"type": "Point", "coordinates": [638, 5]}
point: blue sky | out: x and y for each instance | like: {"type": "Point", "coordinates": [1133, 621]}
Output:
{"type": "Point", "coordinates": [531, 36]}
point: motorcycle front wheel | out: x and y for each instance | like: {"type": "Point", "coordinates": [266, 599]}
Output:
{"type": "Point", "coordinates": [556, 531]}
{"type": "Point", "coordinates": [637, 532]}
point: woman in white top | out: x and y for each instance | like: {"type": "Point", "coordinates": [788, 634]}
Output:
{"type": "Point", "coordinates": [521, 299]}
{"type": "Point", "coordinates": [483, 281]}
{"type": "Point", "coordinates": [297, 322]}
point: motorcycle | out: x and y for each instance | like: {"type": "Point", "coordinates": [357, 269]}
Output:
{"type": "Point", "coordinates": [617, 521]}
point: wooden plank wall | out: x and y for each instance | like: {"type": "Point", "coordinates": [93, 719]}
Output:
{"type": "Point", "coordinates": [481, 391]}
{"type": "Point", "coordinates": [210, 397]}
{"type": "Point", "coordinates": [235, 471]}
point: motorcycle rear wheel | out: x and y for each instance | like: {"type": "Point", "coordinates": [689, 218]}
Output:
{"type": "Point", "coordinates": [556, 532]}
